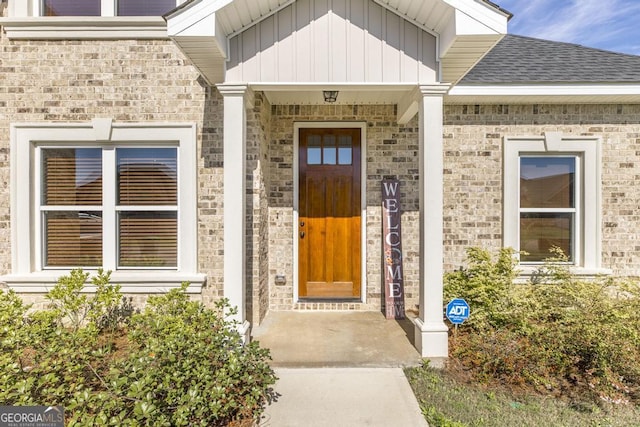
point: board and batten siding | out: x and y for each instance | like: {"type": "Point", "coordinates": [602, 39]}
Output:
{"type": "Point", "coordinates": [333, 41]}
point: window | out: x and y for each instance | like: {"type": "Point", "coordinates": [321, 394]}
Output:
{"type": "Point", "coordinates": [552, 199]}
{"type": "Point", "coordinates": [144, 7]}
{"type": "Point", "coordinates": [117, 196]}
{"type": "Point", "coordinates": [96, 7]}
{"type": "Point", "coordinates": [71, 8]}
{"type": "Point", "coordinates": [548, 212]}
{"type": "Point", "coordinates": [72, 206]}
{"type": "Point", "coordinates": [329, 149]}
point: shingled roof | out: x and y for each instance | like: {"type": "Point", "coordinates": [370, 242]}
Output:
{"type": "Point", "coordinates": [525, 60]}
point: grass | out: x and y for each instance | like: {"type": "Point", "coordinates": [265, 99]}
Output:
{"type": "Point", "coordinates": [446, 400]}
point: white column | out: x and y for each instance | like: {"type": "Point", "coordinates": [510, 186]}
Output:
{"type": "Point", "coordinates": [236, 99]}
{"type": "Point", "coordinates": [431, 337]}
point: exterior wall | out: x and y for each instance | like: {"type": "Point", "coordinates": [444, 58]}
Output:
{"type": "Point", "coordinates": [129, 81]}
{"type": "Point", "coordinates": [150, 81]}
{"type": "Point", "coordinates": [391, 151]}
{"type": "Point", "coordinates": [473, 173]}
{"type": "Point", "coordinates": [333, 41]}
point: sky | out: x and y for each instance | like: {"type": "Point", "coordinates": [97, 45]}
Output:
{"type": "Point", "coordinates": [604, 24]}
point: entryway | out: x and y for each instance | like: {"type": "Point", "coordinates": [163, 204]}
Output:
{"type": "Point", "coordinates": [337, 339]}
{"type": "Point", "coordinates": [329, 220]}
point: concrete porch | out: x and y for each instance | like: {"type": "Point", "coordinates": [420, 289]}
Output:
{"type": "Point", "coordinates": [337, 339]}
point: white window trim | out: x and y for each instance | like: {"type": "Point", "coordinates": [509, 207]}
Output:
{"type": "Point", "coordinates": [27, 274]}
{"type": "Point", "coordinates": [25, 23]}
{"type": "Point", "coordinates": [588, 233]}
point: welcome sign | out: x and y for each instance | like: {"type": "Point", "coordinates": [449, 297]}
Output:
{"type": "Point", "coordinates": [392, 250]}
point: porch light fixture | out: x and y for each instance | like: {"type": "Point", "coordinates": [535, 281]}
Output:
{"type": "Point", "coordinates": [330, 95]}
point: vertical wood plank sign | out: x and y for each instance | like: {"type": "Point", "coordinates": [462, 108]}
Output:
{"type": "Point", "coordinates": [392, 250]}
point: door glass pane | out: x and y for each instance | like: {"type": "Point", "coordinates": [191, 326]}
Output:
{"type": "Point", "coordinates": [70, 7]}
{"type": "Point", "coordinates": [329, 150]}
{"type": "Point", "coordinates": [147, 176]}
{"type": "Point", "coordinates": [145, 7]}
{"type": "Point", "coordinates": [329, 156]}
{"type": "Point", "coordinates": [72, 176]}
{"type": "Point", "coordinates": [344, 150]}
{"type": "Point", "coordinates": [314, 150]}
{"type": "Point", "coordinates": [539, 232]}
{"type": "Point", "coordinates": [73, 239]}
{"type": "Point", "coordinates": [547, 182]}
{"type": "Point", "coordinates": [148, 239]}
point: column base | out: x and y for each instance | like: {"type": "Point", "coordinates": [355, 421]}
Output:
{"type": "Point", "coordinates": [244, 329]}
{"type": "Point", "coordinates": [432, 339]}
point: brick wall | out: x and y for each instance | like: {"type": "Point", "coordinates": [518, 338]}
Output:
{"type": "Point", "coordinates": [258, 134]}
{"type": "Point", "coordinates": [473, 178]}
{"type": "Point", "coordinates": [129, 81]}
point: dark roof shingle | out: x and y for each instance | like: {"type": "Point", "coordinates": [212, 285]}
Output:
{"type": "Point", "coordinates": [526, 60]}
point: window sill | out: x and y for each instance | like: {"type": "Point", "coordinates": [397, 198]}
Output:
{"type": "Point", "coordinates": [525, 272]}
{"type": "Point", "coordinates": [85, 28]}
{"type": "Point", "coordinates": [148, 282]}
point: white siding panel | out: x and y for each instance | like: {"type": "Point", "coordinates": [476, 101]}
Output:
{"type": "Point", "coordinates": [286, 45]}
{"type": "Point", "coordinates": [320, 43]}
{"type": "Point", "coordinates": [333, 41]}
{"type": "Point", "coordinates": [339, 22]}
{"type": "Point", "coordinates": [356, 45]}
{"type": "Point", "coordinates": [234, 59]}
{"type": "Point", "coordinates": [268, 51]}
{"type": "Point", "coordinates": [391, 49]}
{"type": "Point", "coordinates": [302, 52]}
{"type": "Point", "coordinates": [429, 66]}
{"type": "Point", "coordinates": [250, 54]}
{"type": "Point", "coordinates": [409, 61]}
{"type": "Point", "coordinates": [374, 43]}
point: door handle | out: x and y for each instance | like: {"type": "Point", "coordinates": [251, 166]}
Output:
{"type": "Point", "coordinates": [302, 234]}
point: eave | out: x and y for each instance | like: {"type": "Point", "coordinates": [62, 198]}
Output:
{"type": "Point", "coordinates": [596, 93]}
{"type": "Point", "coordinates": [82, 27]}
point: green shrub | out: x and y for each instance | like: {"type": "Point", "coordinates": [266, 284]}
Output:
{"type": "Point", "coordinates": [484, 284]}
{"type": "Point", "coordinates": [177, 363]}
{"type": "Point", "coordinates": [559, 333]}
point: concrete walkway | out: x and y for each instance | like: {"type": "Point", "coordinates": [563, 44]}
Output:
{"type": "Point", "coordinates": [348, 397]}
{"type": "Point", "coordinates": [340, 369]}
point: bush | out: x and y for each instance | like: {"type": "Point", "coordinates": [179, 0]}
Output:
{"type": "Point", "coordinates": [559, 334]}
{"type": "Point", "coordinates": [485, 285]}
{"type": "Point", "coordinates": [177, 363]}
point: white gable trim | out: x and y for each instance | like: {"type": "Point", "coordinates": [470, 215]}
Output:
{"type": "Point", "coordinates": [456, 24]}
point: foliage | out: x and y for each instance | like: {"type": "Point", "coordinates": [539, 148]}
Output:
{"type": "Point", "coordinates": [559, 334]}
{"type": "Point", "coordinates": [484, 284]}
{"type": "Point", "coordinates": [176, 363]}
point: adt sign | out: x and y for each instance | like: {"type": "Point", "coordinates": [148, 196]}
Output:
{"type": "Point", "coordinates": [457, 311]}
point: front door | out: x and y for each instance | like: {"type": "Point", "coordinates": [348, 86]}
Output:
{"type": "Point", "coordinates": [329, 239]}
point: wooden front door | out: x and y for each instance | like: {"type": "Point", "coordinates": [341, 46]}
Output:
{"type": "Point", "coordinates": [329, 217]}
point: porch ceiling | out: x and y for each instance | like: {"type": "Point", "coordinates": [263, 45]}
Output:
{"type": "Point", "coordinates": [350, 94]}
{"type": "Point", "coordinates": [466, 29]}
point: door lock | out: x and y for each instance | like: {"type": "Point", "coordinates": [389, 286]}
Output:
{"type": "Point", "coordinates": [302, 234]}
